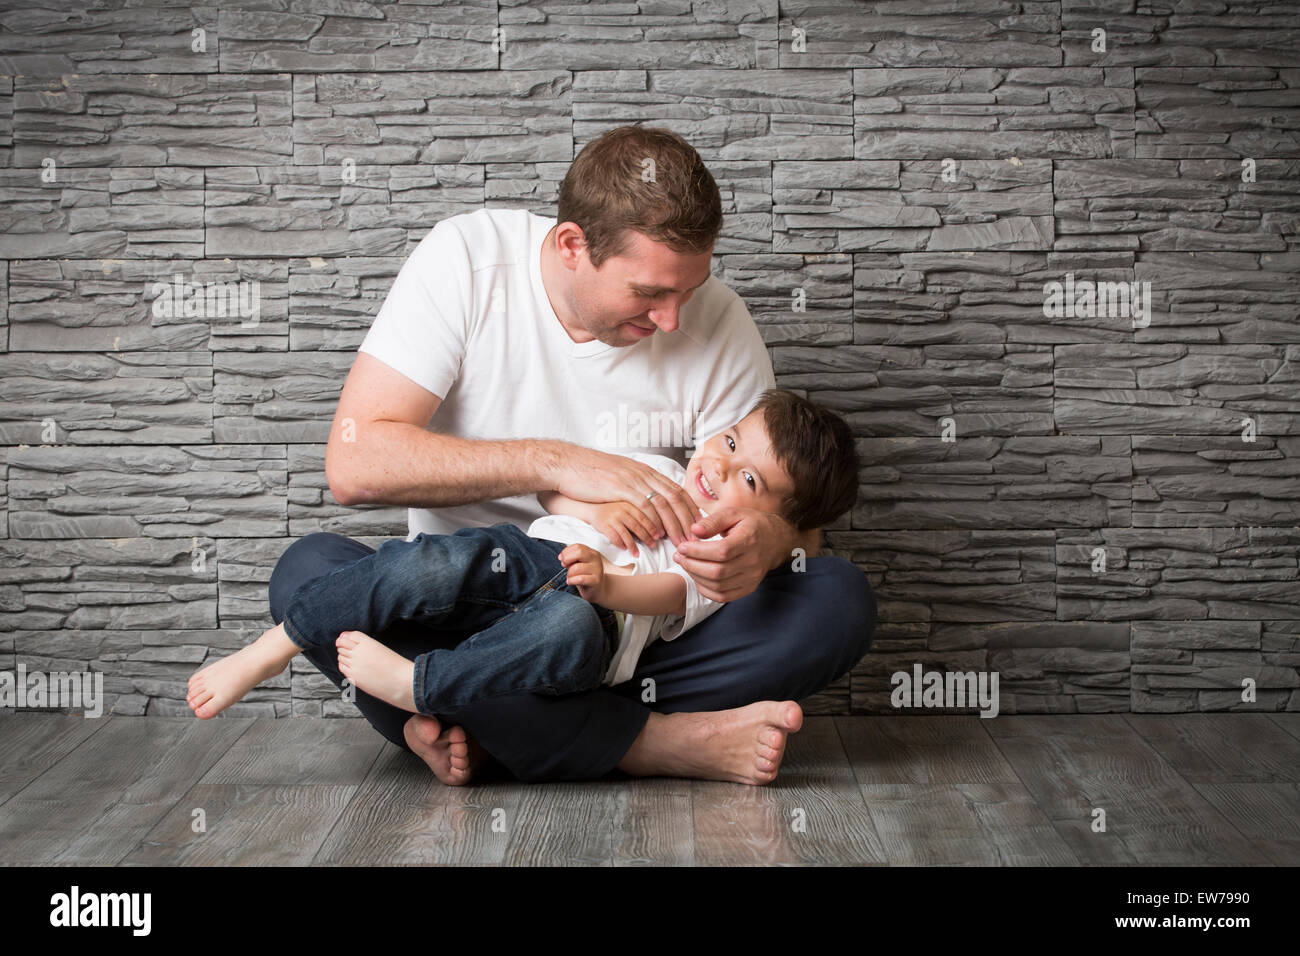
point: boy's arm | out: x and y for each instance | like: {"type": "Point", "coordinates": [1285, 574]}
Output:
{"type": "Point", "coordinates": [557, 504]}
{"type": "Point", "coordinates": [620, 522]}
{"type": "Point", "coordinates": [663, 593]}
{"type": "Point", "coordinates": [619, 588]}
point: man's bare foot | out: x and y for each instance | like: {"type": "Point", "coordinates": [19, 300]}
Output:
{"type": "Point", "coordinates": [451, 754]}
{"type": "Point", "coordinates": [744, 745]}
{"type": "Point", "coordinates": [220, 684]}
{"type": "Point", "coordinates": [378, 670]}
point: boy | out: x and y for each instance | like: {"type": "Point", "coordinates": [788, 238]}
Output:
{"type": "Point", "coordinates": [513, 594]}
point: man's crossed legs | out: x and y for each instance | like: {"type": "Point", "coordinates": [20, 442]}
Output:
{"type": "Point", "coordinates": [798, 632]}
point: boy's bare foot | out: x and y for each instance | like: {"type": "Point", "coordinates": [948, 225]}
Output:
{"type": "Point", "coordinates": [744, 745]}
{"type": "Point", "coordinates": [451, 754]}
{"type": "Point", "coordinates": [378, 670]}
{"type": "Point", "coordinates": [220, 684]}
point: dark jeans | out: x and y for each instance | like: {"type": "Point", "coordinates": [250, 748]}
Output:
{"type": "Point", "coordinates": [790, 638]}
{"type": "Point", "coordinates": [522, 630]}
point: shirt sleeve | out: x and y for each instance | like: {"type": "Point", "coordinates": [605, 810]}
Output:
{"type": "Point", "coordinates": [742, 373]}
{"type": "Point", "coordinates": [665, 466]}
{"type": "Point", "coordinates": [698, 607]}
{"type": "Point", "coordinates": [424, 324]}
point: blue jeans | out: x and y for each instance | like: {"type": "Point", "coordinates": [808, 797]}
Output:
{"type": "Point", "coordinates": [496, 594]}
{"type": "Point", "coordinates": [789, 639]}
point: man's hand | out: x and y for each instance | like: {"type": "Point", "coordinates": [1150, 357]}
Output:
{"type": "Point", "coordinates": [585, 474]}
{"type": "Point", "coordinates": [753, 543]}
{"type": "Point", "coordinates": [586, 571]}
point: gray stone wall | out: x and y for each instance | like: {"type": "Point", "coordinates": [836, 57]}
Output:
{"type": "Point", "coordinates": [1103, 510]}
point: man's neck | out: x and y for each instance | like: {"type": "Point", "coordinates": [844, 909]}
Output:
{"type": "Point", "coordinates": [555, 279]}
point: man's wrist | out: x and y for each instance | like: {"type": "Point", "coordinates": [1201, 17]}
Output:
{"type": "Point", "coordinates": [541, 460]}
{"type": "Point", "coordinates": [793, 540]}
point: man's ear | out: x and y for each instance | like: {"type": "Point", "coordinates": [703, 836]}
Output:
{"type": "Point", "coordinates": [571, 243]}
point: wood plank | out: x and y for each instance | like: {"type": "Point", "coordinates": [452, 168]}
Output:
{"type": "Point", "coordinates": [1267, 813]}
{"type": "Point", "coordinates": [32, 743]}
{"type": "Point", "coordinates": [96, 804]}
{"type": "Point", "coordinates": [980, 824]}
{"type": "Point", "coordinates": [401, 815]}
{"type": "Point", "coordinates": [952, 748]}
{"type": "Point", "coordinates": [652, 823]}
{"type": "Point", "coordinates": [1288, 722]}
{"type": "Point", "coordinates": [245, 825]}
{"type": "Point", "coordinates": [565, 824]}
{"type": "Point", "coordinates": [1075, 763]}
{"type": "Point", "coordinates": [813, 813]}
{"type": "Point", "coordinates": [1222, 748]}
{"type": "Point", "coordinates": [738, 824]}
{"type": "Point", "coordinates": [338, 751]}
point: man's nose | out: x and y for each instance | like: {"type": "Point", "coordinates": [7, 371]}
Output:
{"type": "Point", "coordinates": [665, 318]}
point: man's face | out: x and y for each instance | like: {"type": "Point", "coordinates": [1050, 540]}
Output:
{"type": "Point", "coordinates": [737, 468]}
{"type": "Point", "coordinates": [633, 295]}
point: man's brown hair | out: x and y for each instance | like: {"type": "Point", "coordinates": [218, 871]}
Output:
{"type": "Point", "coordinates": [815, 447]}
{"type": "Point", "coordinates": [611, 188]}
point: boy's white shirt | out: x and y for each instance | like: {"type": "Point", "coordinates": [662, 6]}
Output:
{"type": "Point", "coordinates": [639, 630]}
{"type": "Point", "coordinates": [468, 319]}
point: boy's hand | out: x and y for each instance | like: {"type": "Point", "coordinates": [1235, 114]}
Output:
{"type": "Point", "coordinates": [623, 523]}
{"type": "Point", "coordinates": [586, 571]}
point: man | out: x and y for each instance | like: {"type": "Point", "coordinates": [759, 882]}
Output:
{"type": "Point", "coordinates": [509, 350]}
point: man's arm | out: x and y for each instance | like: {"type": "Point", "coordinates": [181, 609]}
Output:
{"type": "Point", "coordinates": [380, 451]}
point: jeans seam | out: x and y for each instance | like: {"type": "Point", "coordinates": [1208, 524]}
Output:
{"type": "Point", "coordinates": [419, 684]}
{"type": "Point", "coordinates": [292, 633]}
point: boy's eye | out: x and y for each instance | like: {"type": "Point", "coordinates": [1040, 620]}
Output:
{"type": "Point", "coordinates": [731, 444]}
{"type": "Point", "coordinates": [752, 484]}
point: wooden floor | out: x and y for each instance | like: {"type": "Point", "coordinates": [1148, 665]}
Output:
{"type": "Point", "coordinates": [1176, 789]}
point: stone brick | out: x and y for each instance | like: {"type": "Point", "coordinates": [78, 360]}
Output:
{"type": "Point", "coordinates": [312, 36]}
{"type": "Point", "coordinates": [413, 118]}
{"type": "Point", "coordinates": [553, 34]}
{"type": "Point", "coordinates": [115, 212]}
{"type": "Point", "coordinates": [142, 305]}
{"type": "Point", "coordinates": [732, 115]}
{"type": "Point", "coordinates": [872, 34]}
{"type": "Point", "coordinates": [969, 112]}
{"type": "Point", "coordinates": [1204, 113]}
{"type": "Point", "coordinates": [153, 120]}
{"type": "Point", "coordinates": [63, 37]}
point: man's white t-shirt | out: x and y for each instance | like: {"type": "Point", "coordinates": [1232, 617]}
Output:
{"type": "Point", "coordinates": [638, 630]}
{"type": "Point", "coordinates": [469, 320]}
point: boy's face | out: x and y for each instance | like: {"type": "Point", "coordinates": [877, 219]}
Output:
{"type": "Point", "coordinates": [737, 468]}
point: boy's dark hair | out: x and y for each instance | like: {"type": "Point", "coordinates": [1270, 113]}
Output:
{"type": "Point", "coordinates": [815, 447]}
{"type": "Point", "coordinates": [610, 189]}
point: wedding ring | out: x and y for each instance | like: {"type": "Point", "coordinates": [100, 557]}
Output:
{"type": "Point", "coordinates": [651, 495]}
